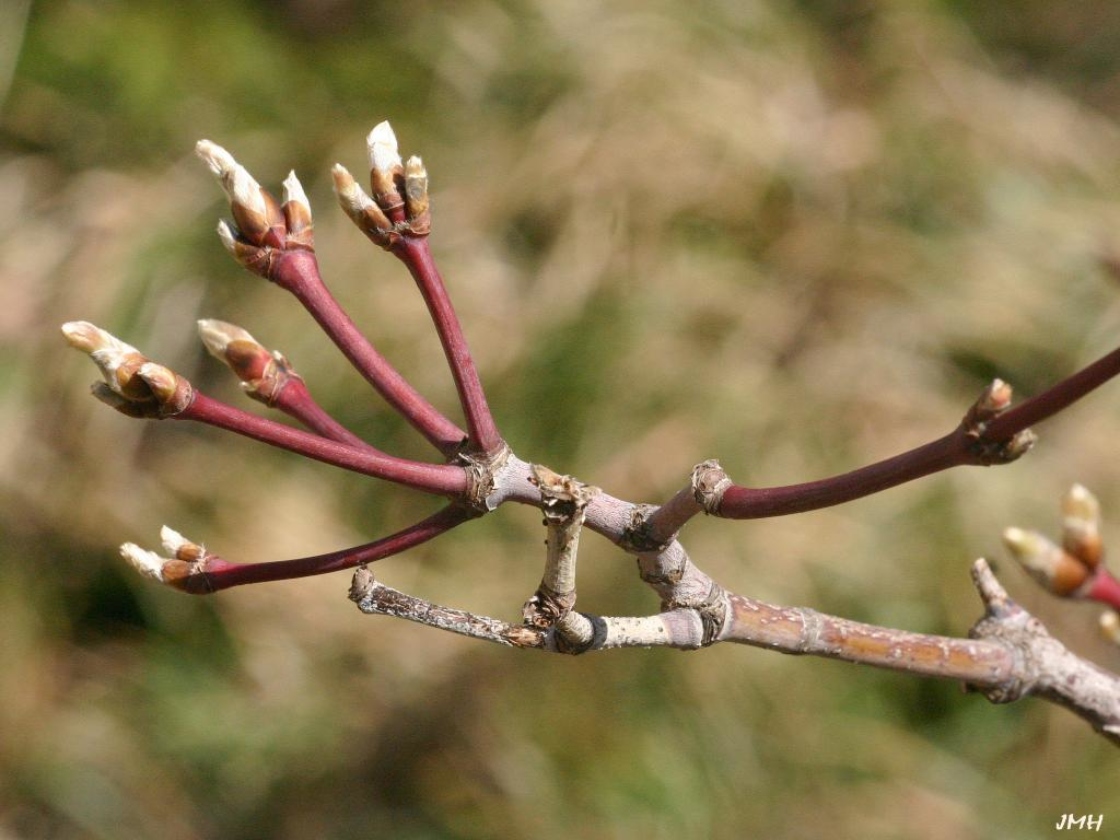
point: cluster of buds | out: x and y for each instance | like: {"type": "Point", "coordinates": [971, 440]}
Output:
{"type": "Point", "coordinates": [261, 226]}
{"type": "Point", "coordinates": [134, 385]}
{"type": "Point", "coordinates": [399, 205]}
{"type": "Point", "coordinates": [185, 568]}
{"type": "Point", "coordinates": [1075, 568]}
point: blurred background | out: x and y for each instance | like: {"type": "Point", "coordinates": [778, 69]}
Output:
{"type": "Point", "coordinates": [796, 236]}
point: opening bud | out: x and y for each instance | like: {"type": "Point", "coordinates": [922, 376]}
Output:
{"type": "Point", "coordinates": [258, 216]}
{"type": "Point", "coordinates": [183, 570]}
{"type": "Point", "coordinates": [385, 166]}
{"type": "Point", "coordinates": [297, 212]}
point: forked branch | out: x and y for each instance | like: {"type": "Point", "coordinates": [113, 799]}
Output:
{"type": "Point", "coordinates": [1008, 654]}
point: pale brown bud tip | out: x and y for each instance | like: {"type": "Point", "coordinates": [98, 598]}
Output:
{"type": "Point", "coordinates": [116, 360]}
{"type": "Point", "coordinates": [228, 236]}
{"type": "Point", "coordinates": [416, 195]}
{"type": "Point", "coordinates": [179, 546]}
{"type": "Point", "coordinates": [1110, 626]}
{"type": "Point", "coordinates": [361, 209]}
{"type": "Point", "coordinates": [91, 339]}
{"type": "Point", "coordinates": [297, 212]}
{"type": "Point", "coordinates": [1081, 516]}
{"type": "Point", "coordinates": [383, 150]}
{"type": "Point", "coordinates": [1046, 562]}
{"type": "Point", "coordinates": [147, 563]}
{"type": "Point", "coordinates": [240, 187]}
{"type": "Point", "coordinates": [183, 570]}
{"type": "Point", "coordinates": [254, 210]}
{"type": "Point", "coordinates": [217, 335]}
{"type": "Point", "coordinates": [995, 399]}
{"type": "Point", "coordinates": [1081, 505]}
{"type": "Point", "coordinates": [293, 191]}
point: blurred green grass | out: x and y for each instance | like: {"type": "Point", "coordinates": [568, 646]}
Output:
{"type": "Point", "coordinates": [795, 236]}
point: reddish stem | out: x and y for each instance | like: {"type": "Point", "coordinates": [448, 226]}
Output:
{"type": "Point", "coordinates": [221, 574]}
{"type": "Point", "coordinates": [442, 479]}
{"type": "Point", "coordinates": [482, 432]}
{"type": "Point", "coordinates": [1105, 588]}
{"type": "Point", "coordinates": [955, 449]}
{"type": "Point", "coordinates": [757, 503]}
{"type": "Point", "coordinates": [296, 401]}
{"type": "Point", "coordinates": [298, 272]}
{"type": "Point", "coordinates": [1057, 398]}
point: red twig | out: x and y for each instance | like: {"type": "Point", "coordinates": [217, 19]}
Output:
{"type": "Point", "coordinates": [415, 253]}
{"type": "Point", "coordinates": [756, 503]}
{"type": "Point", "coordinates": [298, 272]}
{"type": "Point", "coordinates": [1105, 589]}
{"type": "Point", "coordinates": [976, 444]}
{"type": "Point", "coordinates": [441, 479]}
{"type": "Point", "coordinates": [222, 574]}
{"type": "Point", "coordinates": [296, 401]}
{"type": "Point", "coordinates": [1057, 398]}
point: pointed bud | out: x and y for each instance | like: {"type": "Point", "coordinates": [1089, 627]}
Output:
{"type": "Point", "coordinates": [1048, 564]}
{"type": "Point", "coordinates": [183, 570]}
{"type": "Point", "coordinates": [1081, 516]}
{"type": "Point", "coordinates": [1020, 444]}
{"type": "Point", "coordinates": [416, 196]}
{"type": "Point", "coordinates": [385, 166]}
{"type": "Point", "coordinates": [179, 546]}
{"type": "Point", "coordinates": [218, 335]}
{"type": "Point", "coordinates": [361, 209]}
{"type": "Point", "coordinates": [258, 217]}
{"type": "Point", "coordinates": [118, 361]}
{"type": "Point", "coordinates": [384, 154]}
{"type": "Point", "coordinates": [147, 563]}
{"type": "Point", "coordinates": [297, 212]}
{"type": "Point", "coordinates": [994, 400]}
{"type": "Point", "coordinates": [263, 373]}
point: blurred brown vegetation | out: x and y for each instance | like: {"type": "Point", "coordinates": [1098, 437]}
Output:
{"type": "Point", "coordinates": [796, 236]}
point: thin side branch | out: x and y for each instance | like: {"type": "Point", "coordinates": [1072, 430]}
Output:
{"type": "Point", "coordinates": [298, 272]}
{"type": "Point", "coordinates": [482, 432]}
{"type": "Point", "coordinates": [441, 479]}
{"type": "Point", "coordinates": [193, 569]}
{"type": "Point", "coordinates": [976, 441]}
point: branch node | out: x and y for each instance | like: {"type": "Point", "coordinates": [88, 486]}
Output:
{"type": "Point", "coordinates": [992, 402]}
{"type": "Point", "coordinates": [481, 467]}
{"type": "Point", "coordinates": [709, 483]}
{"type": "Point", "coordinates": [638, 537]}
{"type": "Point", "coordinates": [1009, 624]}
